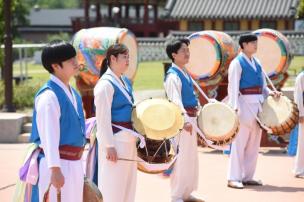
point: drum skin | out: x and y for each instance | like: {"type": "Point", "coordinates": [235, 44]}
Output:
{"type": "Point", "coordinates": [218, 122]}
{"type": "Point", "coordinates": [279, 114]}
{"type": "Point", "coordinates": [91, 45]}
{"type": "Point", "coordinates": [273, 51]}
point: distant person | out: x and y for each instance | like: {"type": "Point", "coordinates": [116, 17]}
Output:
{"type": "Point", "coordinates": [179, 89]}
{"type": "Point", "coordinates": [298, 98]}
{"type": "Point", "coordinates": [247, 89]}
{"type": "Point", "coordinates": [58, 127]}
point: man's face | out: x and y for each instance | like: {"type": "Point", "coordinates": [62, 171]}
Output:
{"type": "Point", "coordinates": [182, 56]}
{"type": "Point", "coordinates": [250, 47]}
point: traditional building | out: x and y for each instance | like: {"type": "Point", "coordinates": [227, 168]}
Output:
{"type": "Point", "coordinates": [228, 15]}
{"type": "Point", "coordinates": [142, 17]}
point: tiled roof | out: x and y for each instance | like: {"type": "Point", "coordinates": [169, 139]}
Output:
{"type": "Point", "coordinates": [231, 9]}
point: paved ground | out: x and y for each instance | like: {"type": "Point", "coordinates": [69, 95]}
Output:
{"type": "Point", "coordinates": [274, 168]}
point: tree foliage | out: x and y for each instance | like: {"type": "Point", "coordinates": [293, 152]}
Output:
{"type": "Point", "coordinates": [301, 9]}
{"type": "Point", "coordinates": [54, 3]}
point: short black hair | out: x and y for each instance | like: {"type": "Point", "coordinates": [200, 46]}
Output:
{"type": "Point", "coordinates": [174, 45]}
{"type": "Point", "coordinates": [56, 52]}
{"type": "Point", "coordinates": [245, 38]}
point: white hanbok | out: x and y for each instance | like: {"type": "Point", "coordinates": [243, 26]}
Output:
{"type": "Point", "coordinates": [298, 98]}
{"type": "Point", "coordinates": [184, 178]}
{"type": "Point", "coordinates": [245, 147]}
{"type": "Point", "coordinates": [116, 181]}
{"type": "Point", "coordinates": [47, 119]}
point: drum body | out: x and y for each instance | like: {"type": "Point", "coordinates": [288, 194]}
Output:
{"type": "Point", "coordinates": [157, 120]}
{"type": "Point", "coordinates": [218, 122]}
{"type": "Point", "coordinates": [276, 63]}
{"type": "Point", "coordinates": [91, 46]}
{"type": "Point", "coordinates": [155, 152]}
{"type": "Point", "coordinates": [280, 114]}
{"type": "Point", "coordinates": [210, 55]}
{"type": "Point", "coordinates": [91, 192]}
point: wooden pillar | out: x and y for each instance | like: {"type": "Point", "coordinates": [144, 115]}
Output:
{"type": "Point", "coordinates": [110, 11]}
{"type": "Point", "coordinates": [127, 10]}
{"type": "Point", "coordinates": [137, 7]}
{"type": "Point", "coordinates": [86, 13]}
{"type": "Point", "coordinates": [155, 12]}
{"type": "Point", "coordinates": [98, 14]}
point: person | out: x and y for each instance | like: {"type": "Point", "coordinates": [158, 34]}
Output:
{"type": "Point", "coordinates": [298, 98]}
{"type": "Point", "coordinates": [58, 127]}
{"type": "Point", "coordinates": [247, 89]}
{"type": "Point", "coordinates": [179, 89]}
{"type": "Point", "coordinates": [114, 101]}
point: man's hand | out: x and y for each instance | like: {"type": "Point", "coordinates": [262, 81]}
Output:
{"type": "Point", "coordinates": [275, 94]}
{"type": "Point", "coordinates": [57, 179]}
{"type": "Point", "coordinates": [188, 127]}
{"type": "Point", "coordinates": [111, 154]}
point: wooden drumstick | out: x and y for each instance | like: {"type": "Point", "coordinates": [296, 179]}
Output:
{"type": "Point", "coordinates": [269, 81]}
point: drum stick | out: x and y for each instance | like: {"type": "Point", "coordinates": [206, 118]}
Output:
{"type": "Point", "coordinates": [200, 89]}
{"type": "Point", "coordinates": [124, 159]}
{"type": "Point", "coordinates": [269, 81]}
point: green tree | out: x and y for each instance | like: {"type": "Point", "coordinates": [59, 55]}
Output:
{"type": "Point", "coordinates": [55, 3]}
{"type": "Point", "coordinates": [301, 9]}
{"type": "Point", "coordinates": [19, 13]}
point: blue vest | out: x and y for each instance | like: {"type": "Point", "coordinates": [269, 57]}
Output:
{"type": "Point", "coordinates": [72, 125]}
{"type": "Point", "coordinates": [249, 77]}
{"type": "Point", "coordinates": [121, 109]}
{"type": "Point", "coordinates": [188, 96]}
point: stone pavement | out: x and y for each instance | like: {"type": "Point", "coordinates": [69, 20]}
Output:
{"type": "Point", "coordinates": [274, 168]}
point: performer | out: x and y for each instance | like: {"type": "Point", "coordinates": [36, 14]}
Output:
{"type": "Point", "coordinates": [179, 89]}
{"type": "Point", "coordinates": [58, 127]}
{"type": "Point", "coordinates": [246, 91]}
{"type": "Point", "coordinates": [113, 100]}
{"type": "Point", "coordinates": [298, 98]}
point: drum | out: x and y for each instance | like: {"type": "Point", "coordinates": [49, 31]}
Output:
{"type": "Point", "coordinates": [91, 192]}
{"type": "Point", "coordinates": [156, 157]}
{"type": "Point", "coordinates": [272, 41]}
{"type": "Point", "coordinates": [157, 120]}
{"type": "Point", "coordinates": [91, 46]}
{"type": "Point", "coordinates": [210, 54]}
{"type": "Point", "coordinates": [218, 122]}
{"type": "Point", "coordinates": [280, 114]}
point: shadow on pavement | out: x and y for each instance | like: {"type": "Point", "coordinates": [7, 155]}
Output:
{"type": "Point", "coordinates": [272, 188]}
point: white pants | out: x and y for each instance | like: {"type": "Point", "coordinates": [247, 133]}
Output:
{"type": "Point", "coordinates": [299, 160]}
{"type": "Point", "coordinates": [72, 189]}
{"type": "Point", "coordinates": [117, 181]}
{"type": "Point", "coordinates": [184, 178]}
{"type": "Point", "coordinates": [245, 147]}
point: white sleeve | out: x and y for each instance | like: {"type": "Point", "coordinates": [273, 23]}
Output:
{"type": "Point", "coordinates": [298, 93]}
{"type": "Point", "coordinates": [48, 125]}
{"type": "Point", "coordinates": [234, 77]}
{"type": "Point", "coordinates": [103, 97]}
{"type": "Point", "coordinates": [173, 88]}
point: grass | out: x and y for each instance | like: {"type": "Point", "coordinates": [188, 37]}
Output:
{"type": "Point", "coordinates": [150, 74]}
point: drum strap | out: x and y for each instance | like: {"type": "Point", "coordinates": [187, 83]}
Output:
{"type": "Point", "coordinates": [135, 134]}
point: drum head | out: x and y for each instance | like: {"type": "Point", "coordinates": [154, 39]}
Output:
{"type": "Point", "coordinates": [204, 57]}
{"type": "Point", "coordinates": [157, 118]}
{"type": "Point", "coordinates": [271, 41]}
{"type": "Point", "coordinates": [91, 46]}
{"type": "Point", "coordinates": [217, 121]}
{"type": "Point", "coordinates": [276, 111]}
